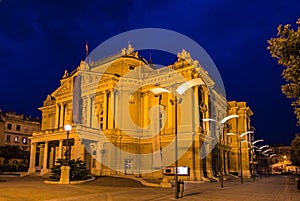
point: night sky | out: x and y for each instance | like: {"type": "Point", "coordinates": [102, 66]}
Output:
{"type": "Point", "coordinates": [40, 39]}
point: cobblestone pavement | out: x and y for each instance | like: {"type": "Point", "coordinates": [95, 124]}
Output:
{"type": "Point", "coordinates": [275, 188]}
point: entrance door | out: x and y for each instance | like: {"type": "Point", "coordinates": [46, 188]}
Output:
{"type": "Point", "coordinates": [204, 167]}
{"type": "Point", "coordinates": [128, 166]}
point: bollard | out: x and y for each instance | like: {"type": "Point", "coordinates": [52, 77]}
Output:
{"type": "Point", "coordinates": [180, 187]}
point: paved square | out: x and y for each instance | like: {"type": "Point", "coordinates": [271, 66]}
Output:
{"type": "Point", "coordinates": [274, 188]}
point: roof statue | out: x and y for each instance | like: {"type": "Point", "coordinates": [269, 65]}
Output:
{"type": "Point", "coordinates": [127, 51]}
{"type": "Point", "coordinates": [66, 74]}
{"type": "Point", "coordinates": [184, 55]}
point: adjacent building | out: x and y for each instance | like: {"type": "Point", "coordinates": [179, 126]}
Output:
{"type": "Point", "coordinates": [122, 125]}
{"type": "Point", "coordinates": [280, 161]}
{"type": "Point", "coordinates": [16, 129]}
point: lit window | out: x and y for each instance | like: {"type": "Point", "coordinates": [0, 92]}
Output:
{"type": "Point", "coordinates": [18, 128]}
{"type": "Point", "coordinates": [16, 138]}
{"type": "Point", "coordinates": [8, 138]}
{"type": "Point", "coordinates": [24, 140]}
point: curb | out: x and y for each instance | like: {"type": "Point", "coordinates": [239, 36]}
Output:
{"type": "Point", "coordinates": [71, 182]}
{"type": "Point", "coordinates": [142, 181]}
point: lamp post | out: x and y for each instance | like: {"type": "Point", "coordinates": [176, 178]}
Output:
{"type": "Point", "coordinates": [180, 90]}
{"type": "Point", "coordinates": [239, 138]}
{"type": "Point", "coordinates": [270, 156]}
{"type": "Point", "coordinates": [253, 154]}
{"type": "Point", "coordinates": [252, 146]}
{"type": "Point", "coordinates": [265, 153]}
{"type": "Point", "coordinates": [68, 128]}
{"type": "Point", "coordinates": [259, 150]}
{"type": "Point", "coordinates": [221, 124]}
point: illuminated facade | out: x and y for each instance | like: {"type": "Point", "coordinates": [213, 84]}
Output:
{"type": "Point", "coordinates": [118, 130]}
{"type": "Point", "coordinates": [15, 129]}
{"type": "Point", "coordinates": [240, 126]}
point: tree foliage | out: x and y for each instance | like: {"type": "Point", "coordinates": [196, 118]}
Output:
{"type": "Point", "coordinates": [77, 172]}
{"type": "Point", "coordinates": [286, 48]}
{"type": "Point", "coordinates": [13, 152]}
{"type": "Point", "coordinates": [295, 150]}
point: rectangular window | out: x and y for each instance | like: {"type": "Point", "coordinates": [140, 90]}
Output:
{"type": "Point", "coordinates": [8, 138]}
{"type": "Point", "coordinates": [18, 128]}
{"type": "Point", "coordinates": [160, 120]}
{"type": "Point", "coordinates": [9, 126]}
{"type": "Point", "coordinates": [16, 138]}
{"type": "Point", "coordinates": [101, 122]}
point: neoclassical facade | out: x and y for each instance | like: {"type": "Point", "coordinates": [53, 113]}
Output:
{"type": "Point", "coordinates": [122, 125]}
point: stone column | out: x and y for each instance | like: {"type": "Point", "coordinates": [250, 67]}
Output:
{"type": "Point", "coordinates": [61, 116]}
{"type": "Point", "coordinates": [57, 115]}
{"type": "Point", "coordinates": [77, 148]}
{"type": "Point", "coordinates": [32, 158]}
{"type": "Point", "coordinates": [41, 155]}
{"type": "Point", "coordinates": [105, 111]}
{"type": "Point", "coordinates": [196, 158]}
{"type": "Point", "coordinates": [60, 147]}
{"type": "Point", "coordinates": [93, 118]}
{"type": "Point", "coordinates": [98, 159]}
{"type": "Point", "coordinates": [196, 108]}
{"type": "Point", "coordinates": [111, 110]}
{"type": "Point", "coordinates": [225, 162]}
{"type": "Point", "coordinates": [88, 112]}
{"type": "Point", "coordinates": [51, 157]}
{"type": "Point", "coordinates": [156, 156]}
{"type": "Point", "coordinates": [45, 159]}
{"type": "Point", "coordinates": [145, 109]}
{"type": "Point", "coordinates": [209, 160]}
{"type": "Point", "coordinates": [206, 114]}
{"type": "Point", "coordinates": [82, 157]}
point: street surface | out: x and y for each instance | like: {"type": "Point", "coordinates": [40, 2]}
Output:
{"type": "Point", "coordinates": [32, 188]}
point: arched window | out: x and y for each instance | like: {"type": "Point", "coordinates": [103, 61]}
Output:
{"type": "Point", "coordinates": [101, 119]}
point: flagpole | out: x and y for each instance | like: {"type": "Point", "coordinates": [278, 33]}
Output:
{"type": "Point", "coordinates": [86, 49]}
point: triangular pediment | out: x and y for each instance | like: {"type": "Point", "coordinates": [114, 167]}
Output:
{"type": "Point", "coordinates": [65, 89]}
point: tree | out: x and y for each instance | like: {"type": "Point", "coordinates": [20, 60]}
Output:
{"type": "Point", "coordinates": [13, 152]}
{"type": "Point", "coordinates": [295, 150]}
{"type": "Point", "coordinates": [286, 48]}
{"type": "Point", "coordinates": [78, 170]}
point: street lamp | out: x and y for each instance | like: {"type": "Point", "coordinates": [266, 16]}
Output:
{"type": "Point", "coordinates": [270, 156]}
{"type": "Point", "coordinates": [68, 128]}
{"type": "Point", "coordinates": [256, 141]}
{"type": "Point", "coordinates": [262, 147]}
{"type": "Point", "coordinates": [264, 152]}
{"type": "Point", "coordinates": [268, 160]}
{"type": "Point", "coordinates": [252, 146]}
{"type": "Point", "coordinates": [180, 90]}
{"type": "Point", "coordinates": [239, 138]}
{"type": "Point", "coordinates": [221, 124]}
{"type": "Point", "coordinates": [260, 150]}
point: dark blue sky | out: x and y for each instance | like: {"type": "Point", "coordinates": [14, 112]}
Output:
{"type": "Point", "coordinates": [40, 39]}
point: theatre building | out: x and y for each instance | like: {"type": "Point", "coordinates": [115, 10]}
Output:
{"type": "Point", "coordinates": [126, 115]}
